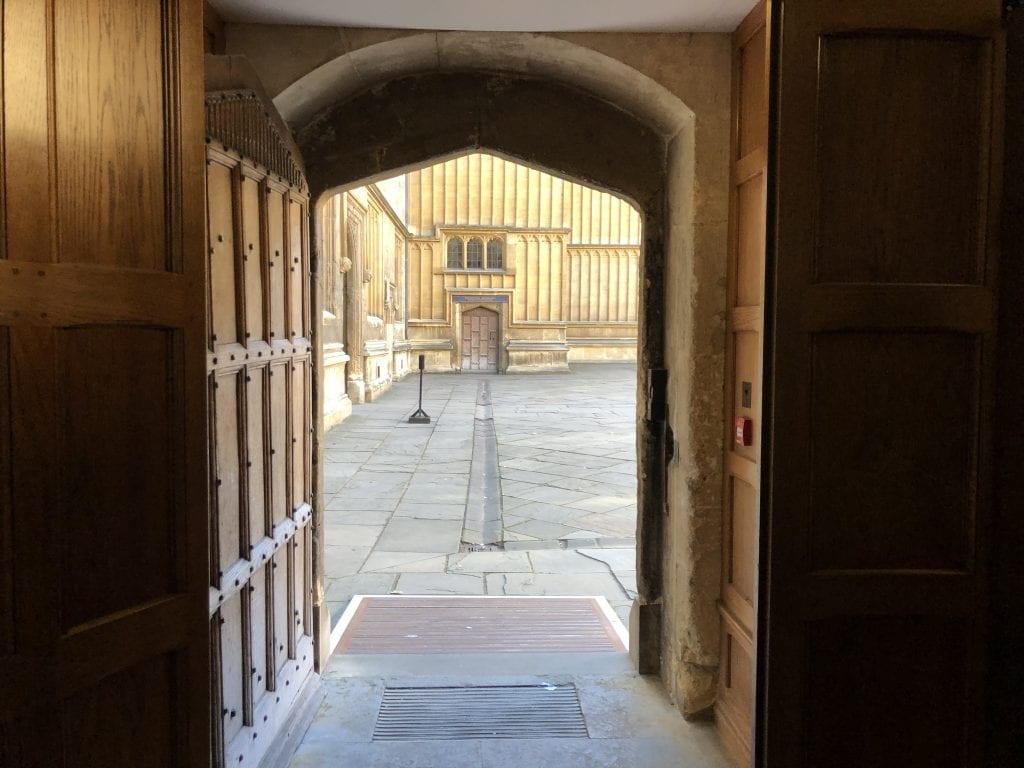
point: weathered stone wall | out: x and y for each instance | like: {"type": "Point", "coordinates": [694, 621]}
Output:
{"type": "Point", "coordinates": [361, 244]}
{"type": "Point", "coordinates": [646, 116]}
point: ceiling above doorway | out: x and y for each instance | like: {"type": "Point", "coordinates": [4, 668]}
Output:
{"type": "Point", "coordinates": [497, 16]}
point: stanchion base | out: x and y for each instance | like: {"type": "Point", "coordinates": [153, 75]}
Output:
{"type": "Point", "coordinates": [419, 418]}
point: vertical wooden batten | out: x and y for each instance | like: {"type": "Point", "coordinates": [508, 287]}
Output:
{"type": "Point", "coordinates": [734, 707]}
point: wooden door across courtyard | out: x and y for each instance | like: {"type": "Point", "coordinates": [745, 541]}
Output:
{"type": "Point", "coordinates": [480, 340]}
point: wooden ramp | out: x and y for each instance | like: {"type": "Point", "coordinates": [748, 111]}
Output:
{"type": "Point", "coordinates": [429, 624]}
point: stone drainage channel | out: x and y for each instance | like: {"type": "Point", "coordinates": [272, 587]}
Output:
{"type": "Point", "coordinates": [482, 526]}
{"type": "Point", "coordinates": [545, 464]}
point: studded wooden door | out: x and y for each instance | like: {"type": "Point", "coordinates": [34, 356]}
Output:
{"type": "Point", "coordinates": [884, 197]}
{"type": "Point", "coordinates": [259, 358]}
{"type": "Point", "coordinates": [480, 340]}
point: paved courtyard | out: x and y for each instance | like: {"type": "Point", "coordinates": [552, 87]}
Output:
{"type": "Point", "coordinates": [429, 508]}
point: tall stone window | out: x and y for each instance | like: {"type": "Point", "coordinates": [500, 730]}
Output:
{"type": "Point", "coordinates": [475, 253]}
{"type": "Point", "coordinates": [495, 254]}
{"type": "Point", "coordinates": [455, 253]}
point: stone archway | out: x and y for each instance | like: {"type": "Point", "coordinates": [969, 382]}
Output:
{"type": "Point", "coordinates": [574, 112]}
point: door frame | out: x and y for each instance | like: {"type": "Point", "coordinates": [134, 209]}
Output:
{"type": "Point", "coordinates": [659, 134]}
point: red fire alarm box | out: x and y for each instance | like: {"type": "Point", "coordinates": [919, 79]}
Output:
{"type": "Point", "coordinates": [744, 431]}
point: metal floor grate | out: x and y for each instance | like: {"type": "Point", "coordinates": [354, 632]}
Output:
{"type": "Point", "coordinates": [480, 712]}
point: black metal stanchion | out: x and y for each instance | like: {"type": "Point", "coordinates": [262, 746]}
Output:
{"type": "Point", "coordinates": [420, 417]}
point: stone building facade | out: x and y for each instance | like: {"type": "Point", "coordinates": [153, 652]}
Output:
{"type": "Point", "coordinates": [363, 246]}
{"type": "Point", "coordinates": [478, 263]}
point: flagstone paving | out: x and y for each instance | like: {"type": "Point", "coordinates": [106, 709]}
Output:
{"type": "Point", "coordinates": [396, 493]}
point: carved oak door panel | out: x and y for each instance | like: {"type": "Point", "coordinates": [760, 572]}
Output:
{"type": "Point", "coordinates": [480, 340]}
{"type": "Point", "coordinates": [258, 363]}
{"type": "Point", "coordinates": [884, 178]}
{"type": "Point", "coordinates": [103, 538]}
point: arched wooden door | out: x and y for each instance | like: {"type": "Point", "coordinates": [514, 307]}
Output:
{"type": "Point", "coordinates": [480, 340]}
{"type": "Point", "coordinates": [259, 371]}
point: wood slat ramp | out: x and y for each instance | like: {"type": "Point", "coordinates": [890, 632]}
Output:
{"type": "Point", "coordinates": [407, 624]}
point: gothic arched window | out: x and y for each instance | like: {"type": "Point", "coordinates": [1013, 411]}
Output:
{"type": "Point", "coordinates": [475, 253]}
{"type": "Point", "coordinates": [455, 253]}
{"type": "Point", "coordinates": [495, 254]}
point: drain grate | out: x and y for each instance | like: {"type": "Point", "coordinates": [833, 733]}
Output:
{"type": "Point", "coordinates": [464, 547]}
{"type": "Point", "coordinates": [480, 712]}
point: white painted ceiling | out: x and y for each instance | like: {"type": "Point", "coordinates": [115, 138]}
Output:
{"type": "Point", "coordinates": [496, 15]}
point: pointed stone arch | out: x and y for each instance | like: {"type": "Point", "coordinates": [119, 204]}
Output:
{"type": "Point", "coordinates": [578, 113]}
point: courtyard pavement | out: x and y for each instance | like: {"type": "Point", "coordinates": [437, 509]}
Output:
{"type": "Point", "coordinates": [397, 493]}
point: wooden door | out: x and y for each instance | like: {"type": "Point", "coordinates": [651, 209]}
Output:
{"type": "Point", "coordinates": [259, 374]}
{"type": "Point", "coordinates": [480, 340]}
{"type": "Point", "coordinates": [734, 708]}
{"type": "Point", "coordinates": [103, 538]}
{"type": "Point", "coordinates": [884, 184]}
